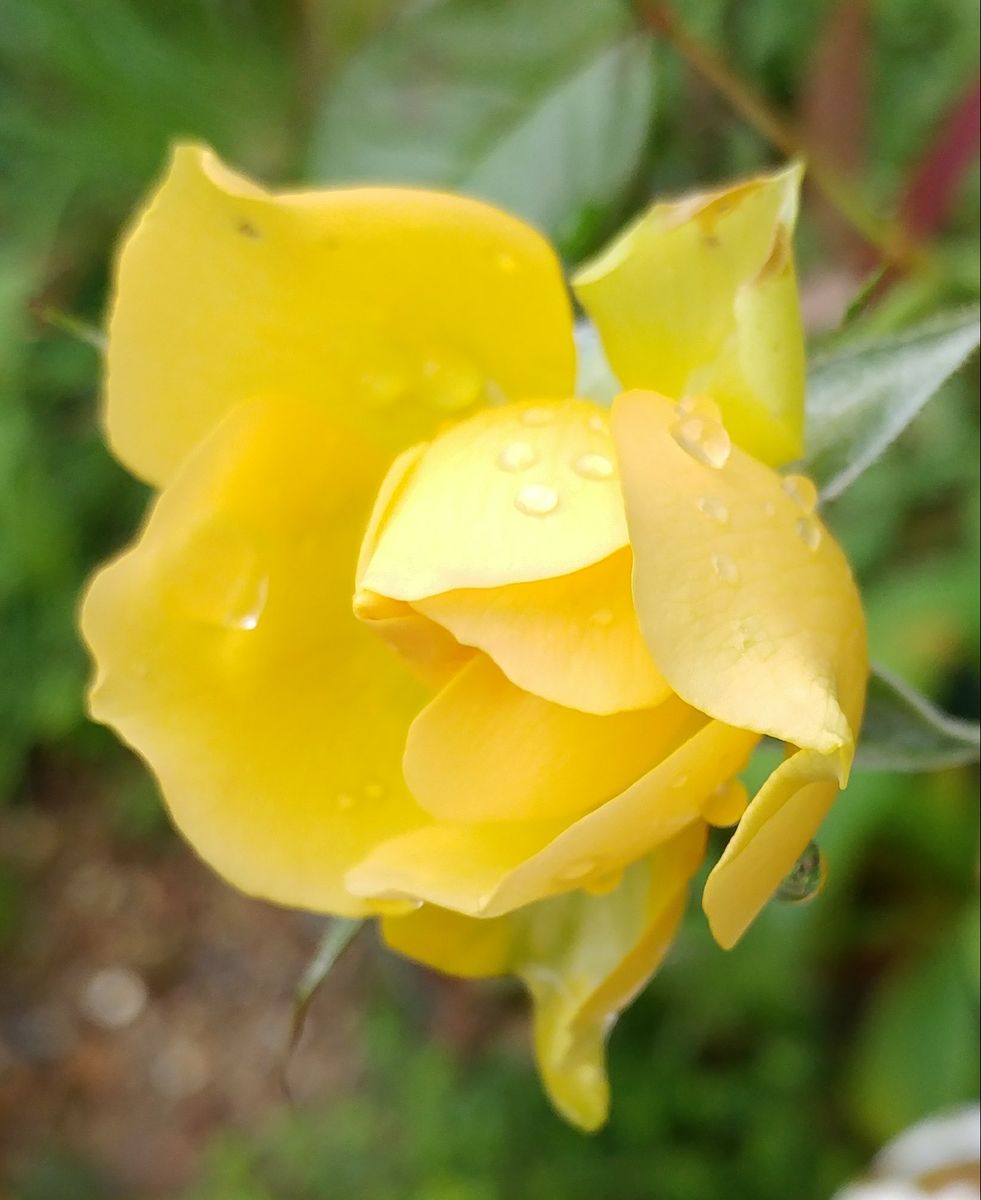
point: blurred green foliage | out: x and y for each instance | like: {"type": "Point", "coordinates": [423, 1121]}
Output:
{"type": "Point", "coordinates": [777, 1067]}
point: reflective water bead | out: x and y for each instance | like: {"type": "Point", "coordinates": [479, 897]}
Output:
{"type": "Point", "coordinates": [452, 381]}
{"type": "Point", "coordinates": [809, 532]}
{"type": "Point", "coordinates": [536, 500]}
{"type": "Point", "coordinates": [598, 424]}
{"type": "Point", "coordinates": [517, 456]}
{"type": "Point", "coordinates": [578, 870]}
{"type": "Point", "coordinates": [538, 416]}
{"type": "Point", "coordinates": [704, 440]}
{"type": "Point", "coordinates": [724, 568]}
{"type": "Point", "coordinates": [806, 877]}
{"type": "Point", "coordinates": [219, 580]}
{"type": "Point", "coordinates": [602, 617]}
{"type": "Point", "coordinates": [594, 466]}
{"type": "Point", "coordinates": [802, 491]}
{"type": "Point", "coordinates": [714, 509]}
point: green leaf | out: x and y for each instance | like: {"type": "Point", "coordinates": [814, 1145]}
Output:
{"type": "Point", "coordinates": [862, 396]}
{"type": "Point", "coordinates": [336, 938]}
{"type": "Point", "coordinates": [903, 731]}
{"type": "Point", "coordinates": [541, 108]}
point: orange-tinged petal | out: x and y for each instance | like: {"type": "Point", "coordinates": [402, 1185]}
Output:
{"type": "Point", "coordinates": [583, 959]}
{"type": "Point", "coordinates": [573, 639]}
{"type": "Point", "coordinates": [699, 296]}
{"type": "Point", "coordinates": [228, 658]}
{"type": "Point", "coordinates": [745, 600]}
{"type": "Point", "coordinates": [393, 308]}
{"type": "Point", "coordinates": [493, 867]}
{"type": "Point", "coordinates": [517, 493]}
{"type": "Point", "coordinates": [485, 750]}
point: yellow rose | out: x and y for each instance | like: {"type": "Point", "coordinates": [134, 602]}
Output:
{"type": "Point", "coordinates": [369, 394]}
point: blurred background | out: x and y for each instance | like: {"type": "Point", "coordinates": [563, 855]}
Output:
{"type": "Point", "coordinates": [144, 1006]}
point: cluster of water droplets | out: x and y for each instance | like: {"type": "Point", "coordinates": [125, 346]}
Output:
{"type": "Point", "coordinates": [804, 495]}
{"type": "Point", "coordinates": [538, 499]}
{"type": "Point", "coordinates": [699, 431]}
{"type": "Point", "coordinates": [805, 879]}
{"type": "Point", "coordinates": [445, 379]}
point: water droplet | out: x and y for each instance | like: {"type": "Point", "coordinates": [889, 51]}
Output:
{"type": "Point", "coordinates": [604, 882]}
{"type": "Point", "coordinates": [517, 456]}
{"type": "Point", "coordinates": [536, 500]}
{"type": "Point", "coordinates": [345, 800]}
{"type": "Point", "coordinates": [805, 879]}
{"type": "Point", "coordinates": [714, 509]}
{"type": "Point", "coordinates": [706, 441]}
{"type": "Point", "coordinates": [374, 791]}
{"type": "Point", "coordinates": [391, 904]}
{"type": "Point", "coordinates": [218, 579]}
{"type": "Point", "coordinates": [451, 381]}
{"type": "Point", "coordinates": [769, 509]}
{"type": "Point", "coordinates": [679, 781]}
{"type": "Point", "coordinates": [602, 617]}
{"type": "Point", "coordinates": [384, 387]}
{"type": "Point", "coordinates": [578, 870]}
{"type": "Point", "coordinates": [594, 466]}
{"type": "Point", "coordinates": [725, 568]}
{"type": "Point", "coordinates": [538, 416]}
{"type": "Point", "coordinates": [506, 262]}
{"type": "Point", "coordinates": [750, 633]}
{"type": "Point", "coordinates": [598, 424]}
{"type": "Point", "coordinates": [802, 491]}
{"type": "Point", "coordinates": [809, 532]}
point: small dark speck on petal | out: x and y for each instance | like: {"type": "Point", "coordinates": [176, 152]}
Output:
{"type": "Point", "coordinates": [247, 229]}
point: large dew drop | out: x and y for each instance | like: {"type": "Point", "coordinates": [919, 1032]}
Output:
{"type": "Point", "coordinates": [219, 580]}
{"type": "Point", "coordinates": [700, 433]}
{"type": "Point", "coordinates": [536, 500]}
{"type": "Point", "coordinates": [806, 878]}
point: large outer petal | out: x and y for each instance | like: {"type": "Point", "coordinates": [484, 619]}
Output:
{"type": "Point", "coordinates": [228, 658]}
{"type": "Point", "coordinates": [489, 868]}
{"type": "Point", "coordinates": [699, 296]}
{"type": "Point", "coordinates": [747, 603]}
{"type": "Point", "coordinates": [393, 308]}
{"type": "Point", "coordinates": [518, 493]}
{"type": "Point", "coordinates": [583, 959]}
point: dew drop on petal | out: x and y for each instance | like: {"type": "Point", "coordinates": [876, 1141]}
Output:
{"type": "Point", "coordinates": [769, 509]}
{"type": "Point", "coordinates": [604, 882]}
{"type": "Point", "coordinates": [724, 568]}
{"type": "Point", "coordinates": [806, 878]}
{"type": "Point", "coordinates": [345, 800]}
{"type": "Point", "coordinates": [517, 456]}
{"type": "Point", "coordinates": [679, 781]}
{"type": "Point", "coordinates": [506, 262]}
{"type": "Point", "coordinates": [536, 500]}
{"type": "Point", "coordinates": [578, 870]}
{"type": "Point", "coordinates": [714, 509]}
{"type": "Point", "coordinates": [594, 466]}
{"type": "Point", "coordinates": [395, 905]}
{"type": "Point", "coordinates": [598, 424]}
{"type": "Point", "coordinates": [809, 532]}
{"type": "Point", "coordinates": [382, 389]}
{"type": "Point", "coordinates": [451, 381]}
{"type": "Point", "coordinates": [706, 441]}
{"type": "Point", "coordinates": [538, 416]}
{"type": "Point", "coordinates": [602, 617]}
{"type": "Point", "coordinates": [802, 491]}
{"type": "Point", "coordinates": [726, 804]}
{"type": "Point", "coordinates": [374, 791]}
{"type": "Point", "coordinates": [218, 579]}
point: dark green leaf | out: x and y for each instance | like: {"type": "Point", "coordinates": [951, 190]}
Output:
{"type": "Point", "coordinates": [903, 731]}
{"type": "Point", "coordinates": [541, 108]}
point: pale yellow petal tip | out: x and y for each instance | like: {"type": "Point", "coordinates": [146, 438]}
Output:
{"type": "Point", "coordinates": [580, 1093]}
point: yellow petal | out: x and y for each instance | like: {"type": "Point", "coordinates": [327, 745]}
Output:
{"type": "Point", "coordinates": [450, 942]}
{"type": "Point", "coordinates": [746, 601]}
{"type": "Point", "coordinates": [395, 309]}
{"type": "Point", "coordinates": [484, 750]}
{"type": "Point", "coordinates": [517, 493]}
{"type": "Point", "coordinates": [583, 959]}
{"type": "Point", "coordinates": [573, 639]}
{"type": "Point", "coordinates": [699, 297]}
{"type": "Point", "coordinates": [494, 867]}
{"type": "Point", "coordinates": [228, 658]}
{"type": "Point", "coordinates": [428, 649]}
